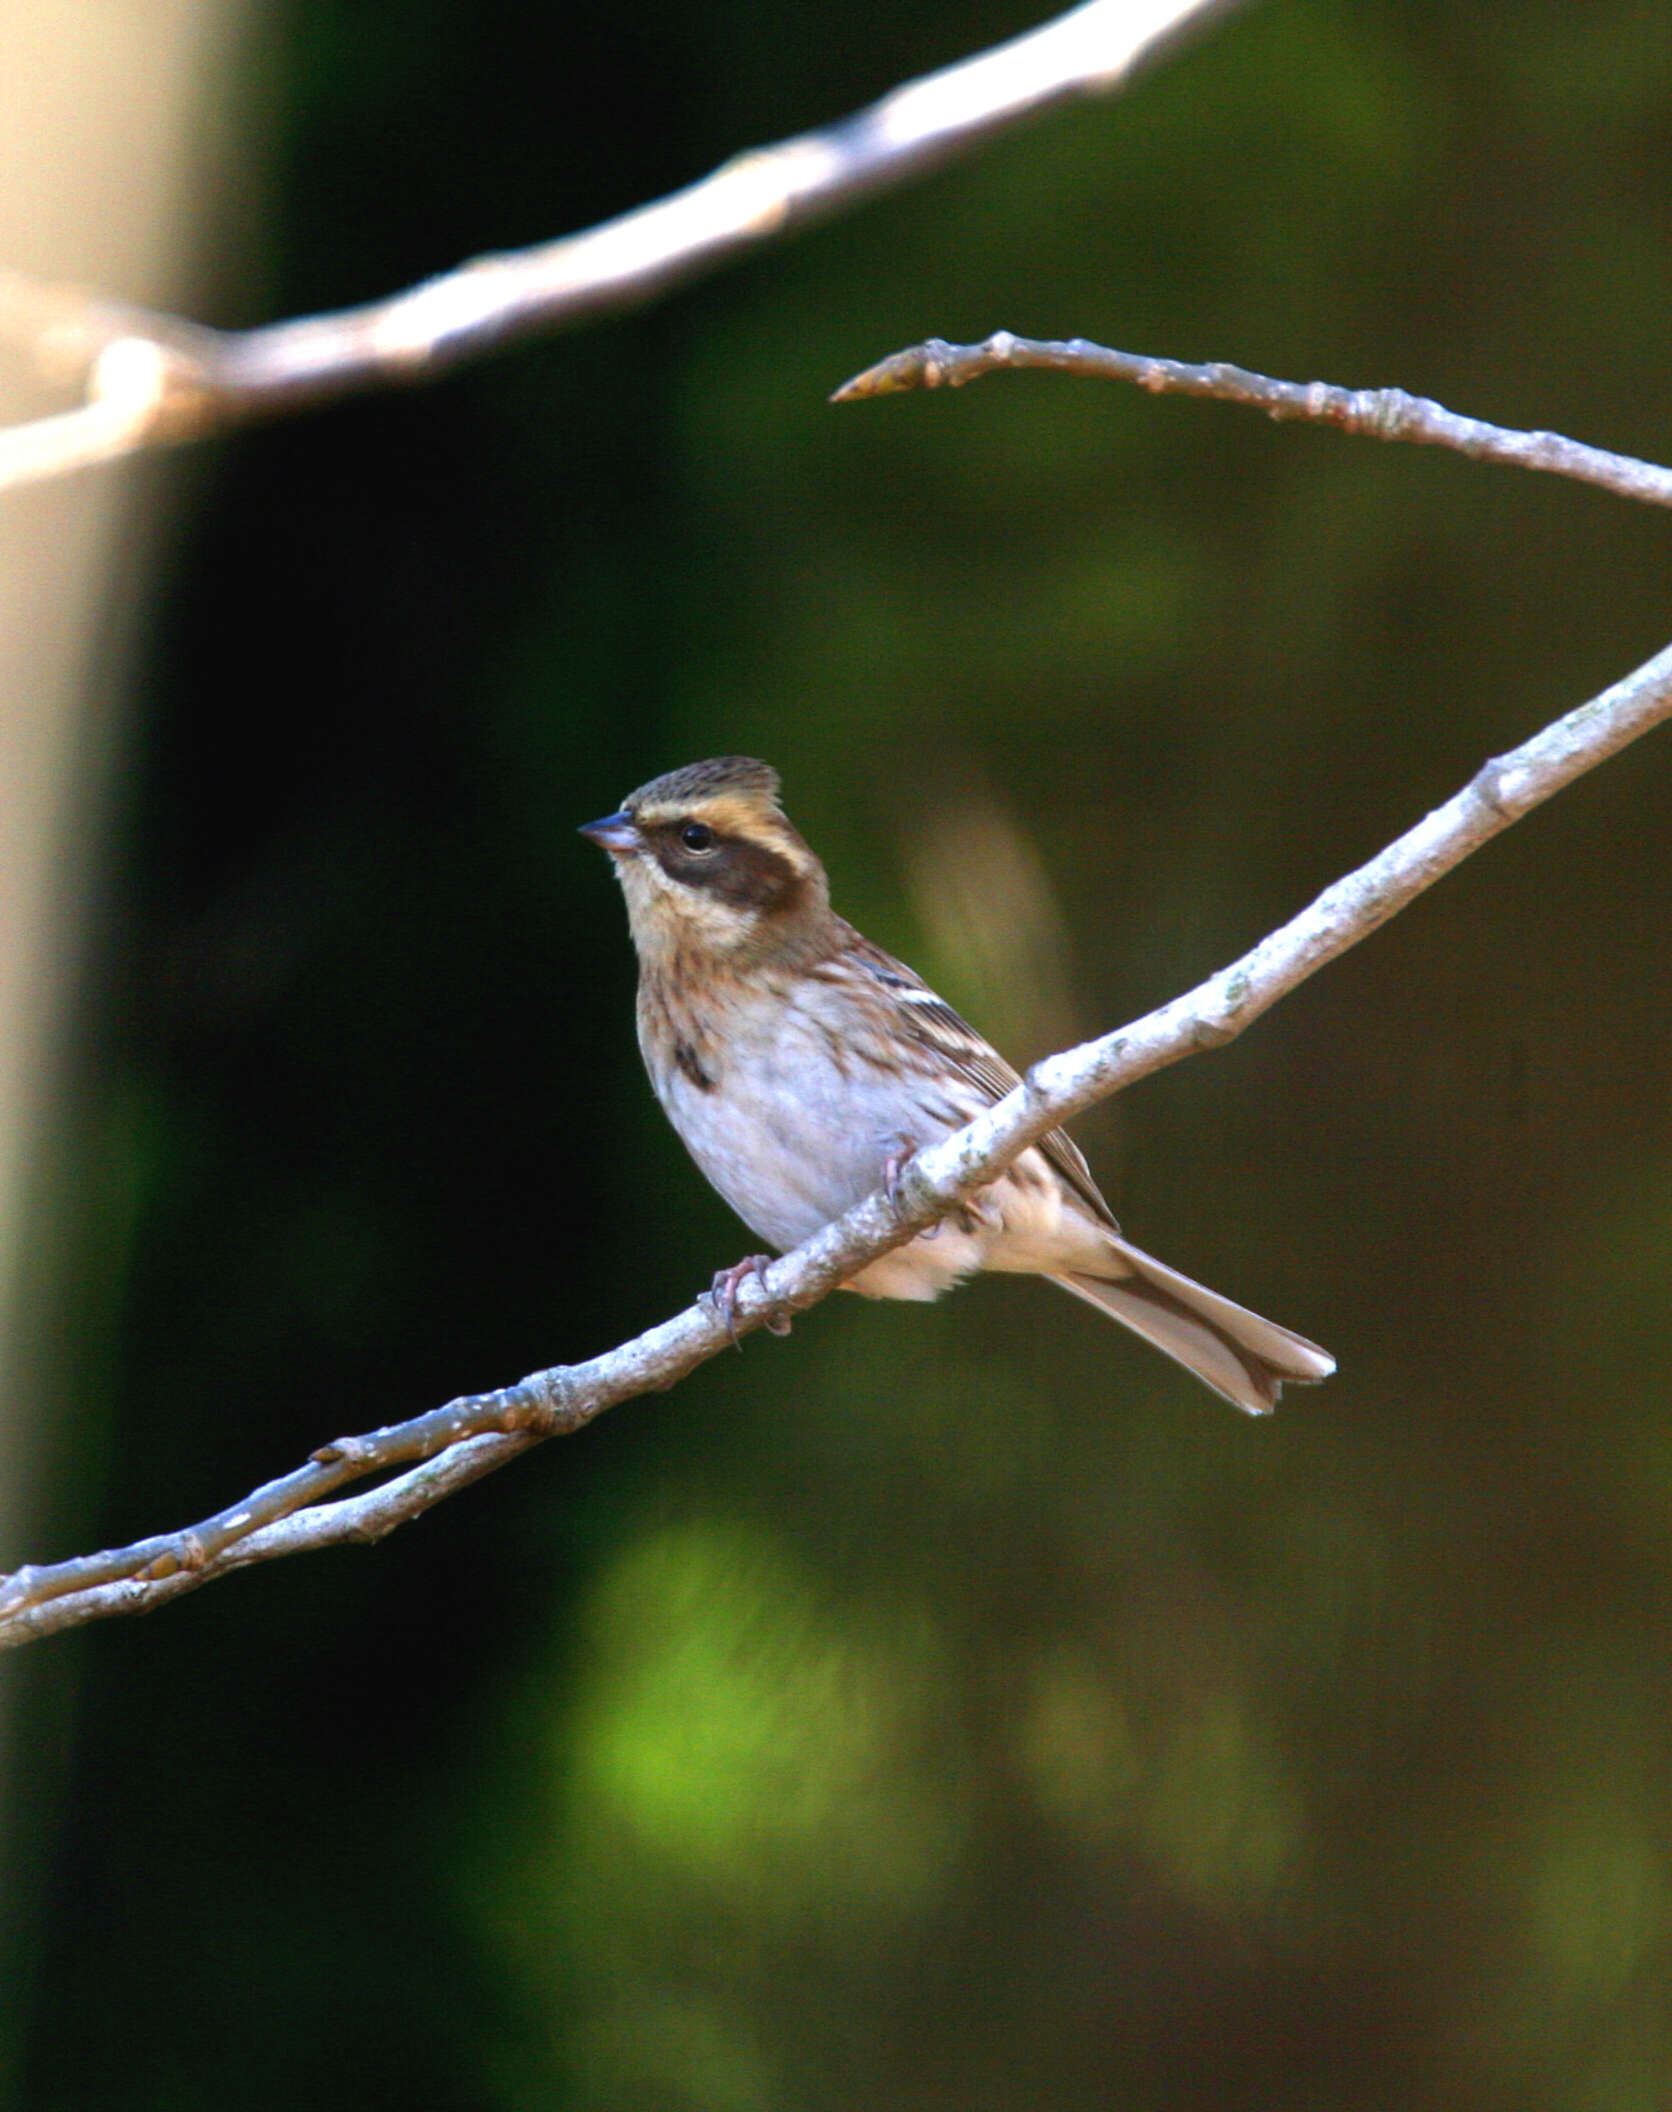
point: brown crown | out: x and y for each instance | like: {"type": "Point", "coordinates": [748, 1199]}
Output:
{"type": "Point", "coordinates": [740, 774]}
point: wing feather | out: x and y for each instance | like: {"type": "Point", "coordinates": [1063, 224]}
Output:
{"type": "Point", "coordinates": [931, 1022]}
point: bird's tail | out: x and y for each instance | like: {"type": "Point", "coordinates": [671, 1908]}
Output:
{"type": "Point", "coordinates": [1246, 1359]}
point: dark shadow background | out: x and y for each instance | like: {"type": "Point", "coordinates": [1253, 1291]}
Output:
{"type": "Point", "coordinates": [943, 1708]}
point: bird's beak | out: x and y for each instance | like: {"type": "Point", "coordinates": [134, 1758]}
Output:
{"type": "Point", "coordinates": [616, 833]}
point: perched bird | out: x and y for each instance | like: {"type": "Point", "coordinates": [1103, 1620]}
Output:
{"type": "Point", "coordinates": [801, 1065]}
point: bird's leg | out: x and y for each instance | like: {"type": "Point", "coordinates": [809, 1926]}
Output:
{"type": "Point", "coordinates": [901, 1150]}
{"type": "Point", "coordinates": [721, 1295]}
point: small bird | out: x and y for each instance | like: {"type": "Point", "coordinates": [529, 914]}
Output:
{"type": "Point", "coordinates": [801, 1066]}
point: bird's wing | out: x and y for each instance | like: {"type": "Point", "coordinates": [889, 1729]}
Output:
{"type": "Point", "coordinates": [931, 1022]}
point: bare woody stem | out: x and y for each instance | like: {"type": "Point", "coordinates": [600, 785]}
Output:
{"type": "Point", "coordinates": [432, 1455]}
{"type": "Point", "coordinates": [1379, 414]}
{"type": "Point", "coordinates": [151, 379]}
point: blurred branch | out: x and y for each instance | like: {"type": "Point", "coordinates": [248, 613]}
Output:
{"type": "Point", "coordinates": [434, 1454]}
{"type": "Point", "coordinates": [1379, 414]}
{"type": "Point", "coordinates": [148, 379]}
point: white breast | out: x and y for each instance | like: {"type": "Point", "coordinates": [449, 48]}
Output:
{"type": "Point", "coordinates": [792, 1137]}
{"type": "Point", "coordinates": [781, 1133]}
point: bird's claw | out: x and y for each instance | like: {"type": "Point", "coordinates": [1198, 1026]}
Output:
{"type": "Point", "coordinates": [721, 1295]}
{"type": "Point", "coordinates": [893, 1167]}
{"type": "Point", "coordinates": [901, 1151]}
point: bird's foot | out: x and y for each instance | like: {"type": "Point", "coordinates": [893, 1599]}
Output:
{"type": "Point", "coordinates": [901, 1151]}
{"type": "Point", "coordinates": [982, 1212]}
{"type": "Point", "coordinates": [721, 1295]}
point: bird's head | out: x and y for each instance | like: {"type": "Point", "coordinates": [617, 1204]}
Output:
{"type": "Point", "coordinates": [711, 866]}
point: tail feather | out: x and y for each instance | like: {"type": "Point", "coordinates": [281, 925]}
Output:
{"type": "Point", "coordinates": [1242, 1357]}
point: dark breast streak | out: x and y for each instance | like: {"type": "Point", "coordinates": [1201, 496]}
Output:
{"type": "Point", "coordinates": [670, 1023]}
{"type": "Point", "coordinates": [687, 1060]}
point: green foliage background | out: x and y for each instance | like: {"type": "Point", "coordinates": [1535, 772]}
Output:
{"type": "Point", "coordinates": [943, 1708]}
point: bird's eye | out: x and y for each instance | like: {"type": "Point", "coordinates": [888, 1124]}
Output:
{"type": "Point", "coordinates": [697, 836]}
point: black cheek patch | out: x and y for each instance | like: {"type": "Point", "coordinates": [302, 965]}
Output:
{"type": "Point", "coordinates": [754, 877]}
{"type": "Point", "coordinates": [746, 875]}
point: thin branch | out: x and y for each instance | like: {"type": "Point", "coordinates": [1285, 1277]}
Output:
{"type": "Point", "coordinates": [200, 380]}
{"type": "Point", "coordinates": [1379, 414]}
{"type": "Point", "coordinates": [434, 1454]}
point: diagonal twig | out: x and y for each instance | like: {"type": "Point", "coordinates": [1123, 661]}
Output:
{"type": "Point", "coordinates": [1381, 414]}
{"type": "Point", "coordinates": [151, 379]}
{"type": "Point", "coordinates": [432, 1455]}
